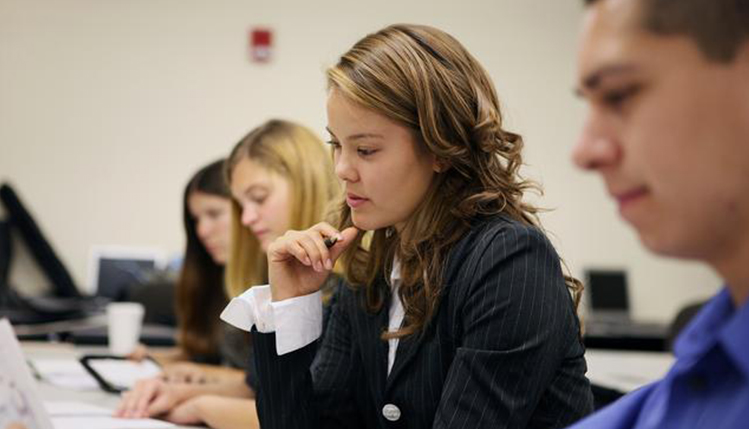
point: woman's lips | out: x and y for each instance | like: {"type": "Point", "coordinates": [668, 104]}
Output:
{"type": "Point", "coordinates": [355, 201]}
{"type": "Point", "coordinates": [260, 233]}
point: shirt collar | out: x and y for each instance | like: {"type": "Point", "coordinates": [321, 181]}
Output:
{"type": "Point", "coordinates": [718, 322]}
{"type": "Point", "coordinates": [395, 272]}
{"type": "Point", "coordinates": [735, 338]}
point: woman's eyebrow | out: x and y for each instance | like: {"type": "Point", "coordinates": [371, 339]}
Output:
{"type": "Point", "coordinates": [359, 136]}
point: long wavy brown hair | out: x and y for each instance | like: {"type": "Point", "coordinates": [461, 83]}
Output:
{"type": "Point", "coordinates": [200, 295]}
{"type": "Point", "coordinates": [424, 79]}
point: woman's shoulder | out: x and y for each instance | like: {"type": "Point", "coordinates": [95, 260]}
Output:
{"type": "Point", "coordinates": [497, 238]}
{"type": "Point", "coordinates": [489, 231]}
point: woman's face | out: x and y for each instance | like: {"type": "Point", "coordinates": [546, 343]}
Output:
{"type": "Point", "coordinates": [264, 197]}
{"type": "Point", "coordinates": [211, 214]}
{"type": "Point", "coordinates": [385, 170]}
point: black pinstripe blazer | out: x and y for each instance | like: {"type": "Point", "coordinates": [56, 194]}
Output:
{"type": "Point", "coordinates": [502, 351]}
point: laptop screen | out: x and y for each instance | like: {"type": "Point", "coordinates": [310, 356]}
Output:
{"type": "Point", "coordinates": [117, 275]}
{"type": "Point", "coordinates": [113, 270]}
{"type": "Point", "coordinates": [607, 291]}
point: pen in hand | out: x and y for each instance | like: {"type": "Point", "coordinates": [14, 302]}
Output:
{"type": "Point", "coordinates": [330, 241]}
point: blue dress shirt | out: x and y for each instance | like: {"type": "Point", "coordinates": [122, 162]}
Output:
{"type": "Point", "coordinates": [708, 386]}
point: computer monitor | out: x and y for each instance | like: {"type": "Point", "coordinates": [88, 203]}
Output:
{"type": "Point", "coordinates": [20, 219]}
{"type": "Point", "coordinates": [607, 295]}
{"type": "Point", "coordinates": [6, 254]}
{"type": "Point", "coordinates": [112, 270]}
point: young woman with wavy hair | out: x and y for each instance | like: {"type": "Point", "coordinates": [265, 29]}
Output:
{"type": "Point", "coordinates": [457, 312]}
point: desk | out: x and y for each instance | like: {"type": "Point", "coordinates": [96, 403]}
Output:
{"type": "Point", "coordinates": [625, 371]}
{"type": "Point", "coordinates": [92, 331]}
{"type": "Point", "coordinates": [626, 336]}
{"type": "Point", "coordinates": [49, 392]}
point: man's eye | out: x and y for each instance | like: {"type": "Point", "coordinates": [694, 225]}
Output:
{"type": "Point", "coordinates": [616, 99]}
{"type": "Point", "coordinates": [366, 152]}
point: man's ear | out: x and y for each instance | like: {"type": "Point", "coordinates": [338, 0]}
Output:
{"type": "Point", "coordinates": [740, 66]}
{"type": "Point", "coordinates": [742, 54]}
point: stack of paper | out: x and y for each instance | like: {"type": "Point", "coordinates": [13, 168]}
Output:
{"type": "Point", "coordinates": [67, 373]}
{"type": "Point", "coordinates": [76, 415]}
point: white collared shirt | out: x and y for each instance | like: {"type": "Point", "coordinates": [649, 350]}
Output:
{"type": "Point", "coordinates": [298, 321]}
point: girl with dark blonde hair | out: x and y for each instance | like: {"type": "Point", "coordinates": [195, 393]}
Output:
{"type": "Point", "coordinates": [280, 177]}
{"type": "Point", "coordinates": [457, 312]}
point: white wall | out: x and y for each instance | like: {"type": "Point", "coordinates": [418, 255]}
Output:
{"type": "Point", "coordinates": [107, 107]}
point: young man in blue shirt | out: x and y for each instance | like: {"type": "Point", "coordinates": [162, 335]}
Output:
{"type": "Point", "coordinates": [667, 83]}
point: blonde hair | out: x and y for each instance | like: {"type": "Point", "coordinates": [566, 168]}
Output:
{"type": "Point", "coordinates": [297, 154]}
{"type": "Point", "coordinates": [424, 79]}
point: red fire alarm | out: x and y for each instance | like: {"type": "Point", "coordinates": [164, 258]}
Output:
{"type": "Point", "coordinates": [261, 45]}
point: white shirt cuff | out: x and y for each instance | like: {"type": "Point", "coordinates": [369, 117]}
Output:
{"type": "Point", "coordinates": [296, 321]}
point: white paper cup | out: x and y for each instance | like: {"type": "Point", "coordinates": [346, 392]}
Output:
{"type": "Point", "coordinates": [125, 319]}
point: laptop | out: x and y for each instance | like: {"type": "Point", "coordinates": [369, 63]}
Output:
{"type": "Point", "coordinates": [21, 401]}
{"type": "Point", "coordinates": [112, 270]}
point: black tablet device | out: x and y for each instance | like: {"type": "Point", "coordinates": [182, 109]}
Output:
{"type": "Point", "coordinates": [116, 374]}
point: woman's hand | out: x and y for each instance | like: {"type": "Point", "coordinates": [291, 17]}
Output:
{"type": "Point", "coordinates": [149, 397]}
{"type": "Point", "coordinates": [139, 353]}
{"type": "Point", "coordinates": [188, 412]}
{"type": "Point", "coordinates": [299, 261]}
{"type": "Point", "coordinates": [215, 411]}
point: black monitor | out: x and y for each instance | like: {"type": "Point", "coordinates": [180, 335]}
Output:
{"type": "Point", "coordinates": [607, 291]}
{"type": "Point", "coordinates": [5, 254]}
{"type": "Point", "coordinates": [20, 220]}
{"type": "Point", "coordinates": [117, 275]}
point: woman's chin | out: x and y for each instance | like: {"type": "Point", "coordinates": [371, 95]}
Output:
{"type": "Point", "coordinates": [219, 259]}
{"type": "Point", "coordinates": [365, 223]}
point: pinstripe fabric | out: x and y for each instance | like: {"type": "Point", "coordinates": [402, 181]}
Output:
{"type": "Point", "coordinates": [502, 351]}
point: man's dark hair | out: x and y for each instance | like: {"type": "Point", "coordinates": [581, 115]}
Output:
{"type": "Point", "coordinates": [719, 27]}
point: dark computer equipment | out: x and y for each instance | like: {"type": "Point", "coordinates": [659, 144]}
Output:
{"type": "Point", "coordinates": [607, 293]}
{"type": "Point", "coordinates": [609, 323]}
{"type": "Point", "coordinates": [64, 301]}
{"type": "Point", "coordinates": [116, 276]}
{"type": "Point", "coordinates": [22, 221]}
{"type": "Point", "coordinates": [5, 253]}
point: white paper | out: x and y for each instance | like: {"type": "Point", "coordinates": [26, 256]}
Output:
{"type": "Point", "coordinates": [68, 408]}
{"type": "Point", "coordinates": [107, 423]}
{"type": "Point", "coordinates": [78, 415]}
{"type": "Point", "coordinates": [66, 373]}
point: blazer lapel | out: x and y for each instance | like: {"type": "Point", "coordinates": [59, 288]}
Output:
{"type": "Point", "coordinates": [369, 330]}
{"type": "Point", "coordinates": [407, 348]}
{"type": "Point", "coordinates": [380, 346]}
